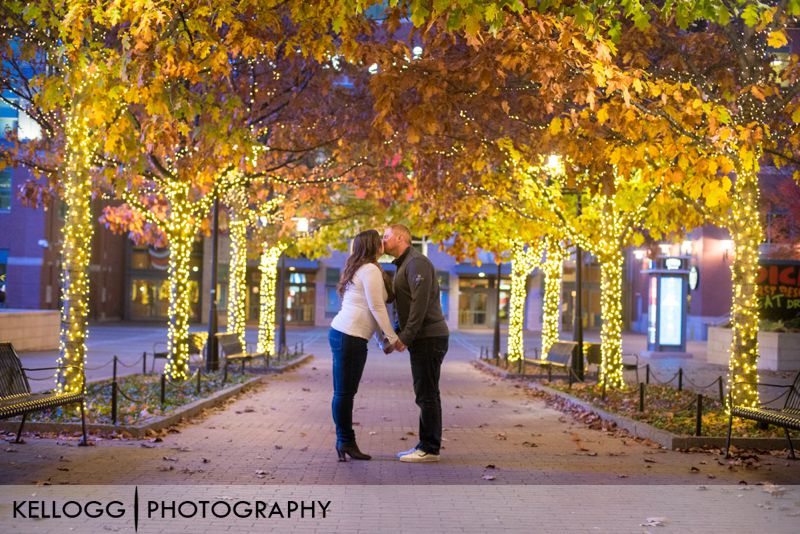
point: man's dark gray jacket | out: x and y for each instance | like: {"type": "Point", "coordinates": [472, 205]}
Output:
{"type": "Point", "coordinates": [417, 291]}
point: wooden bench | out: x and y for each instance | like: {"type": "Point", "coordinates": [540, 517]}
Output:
{"type": "Point", "coordinates": [234, 352]}
{"type": "Point", "coordinates": [787, 417]}
{"type": "Point", "coordinates": [560, 356]}
{"type": "Point", "coordinates": [15, 392]}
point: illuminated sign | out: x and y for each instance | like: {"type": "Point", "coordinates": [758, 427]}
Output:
{"type": "Point", "coordinates": [670, 316]}
{"type": "Point", "coordinates": [779, 290]}
{"type": "Point", "coordinates": [694, 278]}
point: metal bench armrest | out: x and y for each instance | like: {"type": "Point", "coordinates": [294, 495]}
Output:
{"type": "Point", "coordinates": [49, 368]}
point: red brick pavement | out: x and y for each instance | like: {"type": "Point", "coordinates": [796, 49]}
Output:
{"type": "Point", "coordinates": [282, 433]}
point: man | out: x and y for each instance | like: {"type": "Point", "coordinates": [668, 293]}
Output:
{"type": "Point", "coordinates": [424, 332]}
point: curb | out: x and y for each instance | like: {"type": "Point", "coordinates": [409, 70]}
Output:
{"type": "Point", "coordinates": [640, 429]}
{"type": "Point", "coordinates": [288, 366]}
{"type": "Point", "coordinates": [176, 416]}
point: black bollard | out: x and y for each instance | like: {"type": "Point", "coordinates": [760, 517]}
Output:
{"type": "Point", "coordinates": [647, 373]}
{"type": "Point", "coordinates": [680, 378]}
{"type": "Point", "coordinates": [721, 394]}
{"type": "Point", "coordinates": [144, 363]}
{"type": "Point", "coordinates": [641, 397]}
{"type": "Point", "coordinates": [698, 428]}
{"type": "Point", "coordinates": [302, 346]}
{"type": "Point", "coordinates": [163, 390]}
{"type": "Point", "coordinates": [199, 374]}
{"type": "Point", "coordinates": [114, 387]}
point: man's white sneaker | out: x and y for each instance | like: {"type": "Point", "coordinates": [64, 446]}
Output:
{"type": "Point", "coordinates": [419, 456]}
{"type": "Point", "coordinates": [403, 453]}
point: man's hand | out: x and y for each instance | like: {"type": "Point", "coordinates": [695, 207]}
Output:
{"type": "Point", "coordinates": [388, 348]}
{"type": "Point", "coordinates": [399, 346]}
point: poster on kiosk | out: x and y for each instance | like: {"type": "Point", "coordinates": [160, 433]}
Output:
{"type": "Point", "coordinates": [667, 303]}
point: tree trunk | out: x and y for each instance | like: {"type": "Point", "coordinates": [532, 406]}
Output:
{"type": "Point", "coordinates": [747, 233]}
{"type": "Point", "coordinates": [266, 318]}
{"type": "Point", "coordinates": [76, 256]}
{"type": "Point", "coordinates": [522, 263]}
{"type": "Point", "coordinates": [181, 233]}
{"type": "Point", "coordinates": [611, 270]}
{"type": "Point", "coordinates": [237, 275]}
{"type": "Point", "coordinates": [551, 308]}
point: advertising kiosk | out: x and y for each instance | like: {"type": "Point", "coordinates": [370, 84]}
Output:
{"type": "Point", "coordinates": [667, 300]}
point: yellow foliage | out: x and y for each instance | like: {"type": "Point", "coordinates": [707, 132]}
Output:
{"type": "Point", "coordinates": [777, 39]}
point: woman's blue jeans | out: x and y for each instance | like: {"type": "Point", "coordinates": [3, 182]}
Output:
{"type": "Point", "coordinates": [349, 357]}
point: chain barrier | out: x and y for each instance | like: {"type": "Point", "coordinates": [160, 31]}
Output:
{"type": "Point", "coordinates": [99, 366]}
{"type": "Point", "coordinates": [131, 364]}
{"type": "Point", "coordinates": [664, 382]}
{"type": "Point", "coordinates": [135, 401]}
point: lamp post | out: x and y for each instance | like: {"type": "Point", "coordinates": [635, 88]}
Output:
{"type": "Point", "coordinates": [212, 348]}
{"type": "Point", "coordinates": [282, 310]}
{"type": "Point", "coordinates": [555, 165]}
{"type": "Point", "coordinates": [577, 329]}
{"type": "Point", "coordinates": [496, 341]}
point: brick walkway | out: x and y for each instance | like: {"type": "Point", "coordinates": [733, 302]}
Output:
{"type": "Point", "coordinates": [284, 429]}
{"type": "Point", "coordinates": [280, 437]}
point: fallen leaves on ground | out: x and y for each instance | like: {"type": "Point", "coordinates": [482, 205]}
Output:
{"type": "Point", "coordinates": [654, 522]}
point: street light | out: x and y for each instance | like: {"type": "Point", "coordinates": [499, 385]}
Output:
{"type": "Point", "coordinates": [555, 166]}
{"type": "Point", "coordinates": [496, 340]}
{"type": "Point", "coordinates": [212, 348]}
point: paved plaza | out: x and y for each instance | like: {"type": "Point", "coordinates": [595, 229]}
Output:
{"type": "Point", "coordinates": [281, 433]}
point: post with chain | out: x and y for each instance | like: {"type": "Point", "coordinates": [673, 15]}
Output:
{"type": "Point", "coordinates": [698, 428]}
{"type": "Point", "coordinates": [114, 387]}
{"type": "Point", "coordinates": [641, 396]}
{"type": "Point", "coordinates": [163, 390]}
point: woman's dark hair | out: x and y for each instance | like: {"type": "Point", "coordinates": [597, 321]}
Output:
{"type": "Point", "coordinates": [366, 247]}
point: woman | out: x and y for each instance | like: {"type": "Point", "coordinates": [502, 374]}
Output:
{"type": "Point", "coordinates": [364, 294]}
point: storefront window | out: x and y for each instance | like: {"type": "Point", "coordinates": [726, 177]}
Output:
{"type": "Point", "coordinates": [332, 301]}
{"type": "Point", "coordinates": [300, 298]}
{"type": "Point", "coordinates": [148, 286]}
{"type": "Point", "coordinates": [477, 301]}
{"type": "Point", "coordinates": [444, 291]}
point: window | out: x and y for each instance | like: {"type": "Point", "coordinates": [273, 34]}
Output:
{"type": "Point", "coordinates": [5, 190]}
{"type": "Point", "coordinates": [148, 286]}
{"type": "Point", "coordinates": [332, 301]}
{"type": "Point", "coordinates": [443, 277]}
{"type": "Point", "coordinates": [421, 244]}
{"type": "Point", "coordinates": [300, 297]}
{"type": "Point", "coordinates": [7, 124]}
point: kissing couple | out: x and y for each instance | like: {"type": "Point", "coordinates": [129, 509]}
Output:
{"type": "Point", "coordinates": [365, 289]}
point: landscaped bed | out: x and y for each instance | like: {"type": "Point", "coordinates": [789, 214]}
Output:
{"type": "Point", "coordinates": [666, 408]}
{"type": "Point", "coordinates": [145, 390]}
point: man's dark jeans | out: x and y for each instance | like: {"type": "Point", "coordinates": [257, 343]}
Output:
{"type": "Point", "coordinates": [427, 355]}
{"type": "Point", "coordinates": [349, 357]}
